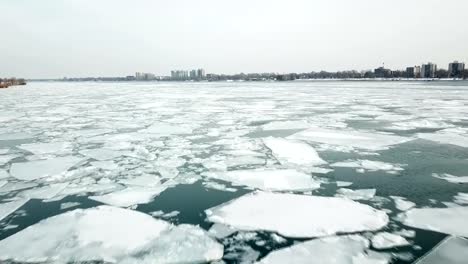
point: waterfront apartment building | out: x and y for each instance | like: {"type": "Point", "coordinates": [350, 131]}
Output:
{"type": "Point", "coordinates": [143, 76]}
{"type": "Point", "coordinates": [413, 72]}
{"type": "Point", "coordinates": [428, 70]}
{"type": "Point", "coordinates": [381, 72]}
{"type": "Point", "coordinates": [180, 75]}
{"type": "Point", "coordinates": [456, 69]}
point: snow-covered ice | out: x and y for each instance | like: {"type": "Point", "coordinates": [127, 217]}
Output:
{"type": "Point", "coordinates": [402, 203]}
{"type": "Point", "coordinates": [351, 249]}
{"type": "Point", "coordinates": [297, 215]}
{"type": "Point", "coordinates": [295, 152]}
{"type": "Point", "coordinates": [385, 240]}
{"type": "Point", "coordinates": [130, 196]}
{"type": "Point", "coordinates": [269, 179]}
{"type": "Point", "coordinates": [37, 169]}
{"type": "Point", "coordinates": [109, 234]}
{"type": "Point", "coordinates": [452, 250]}
{"type": "Point", "coordinates": [350, 138]}
{"type": "Point", "coordinates": [450, 221]}
{"type": "Point", "coordinates": [9, 207]}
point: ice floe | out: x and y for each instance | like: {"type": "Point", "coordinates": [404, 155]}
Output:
{"type": "Point", "coordinates": [402, 204]}
{"type": "Point", "coordinates": [112, 235]}
{"type": "Point", "coordinates": [363, 194]}
{"type": "Point", "coordinates": [417, 124]}
{"type": "Point", "coordinates": [37, 169]}
{"type": "Point", "coordinates": [45, 192]}
{"type": "Point", "coordinates": [461, 198]}
{"type": "Point", "coordinates": [161, 128]}
{"type": "Point", "coordinates": [297, 215]}
{"type": "Point", "coordinates": [369, 165]}
{"type": "Point", "coordinates": [351, 249]}
{"type": "Point", "coordinates": [4, 174]}
{"type": "Point", "coordinates": [47, 148]}
{"type": "Point", "coordinates": [269, 179]}
{"type": "Point", "coordinates": [350, 138]}
{"type": "Point", "coordinates": [385, 240]}
{"type": "Point", "coordinates": [8, 208]}
{"type": "Point", "coordinates": [451, 178]}
{"type": "Point", "coordinates": [452, 250]}
{"type": "Point", "coordinates": [296, 152]}
{"type": "Point", "coordinates": [130, 196]}
{"type": "Point", "coordinates": [450, 221]}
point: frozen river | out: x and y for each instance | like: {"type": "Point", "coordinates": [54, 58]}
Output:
{"type": "Point", "coordinates": [293, 172]}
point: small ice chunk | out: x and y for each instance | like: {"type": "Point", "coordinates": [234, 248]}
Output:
{"type": "Point", "coordinates": [343, 184]}
{"type": "Point", "coordinates": [461, 198]}
{"type": "Point", "coordinates": [47, 148]}
{"type": "Point", "coordinates": [402, 204]}
{"type": "Point", "coordinates": [218, 186]}
{"type": "Point", "coordinates": [269, 179]}
{"type": "Point", "coordinates": [68, 205]}
{"type": "Point", "coordinates": [146, 180]}
{"type": "Point", "coordinates": [294, 215]}
{"type": "Point", "coordinates": [450, 221]}
{"type": "Point", "coordinates": [221, 231]}
{"type": "Point", "coordinates": [350, 138]}
{"type": "Point", "coordinates": [451, 178]}
{"type": "Point", "coordinates": [330, 250]}
{"type": "Point", "coordinates": [385, 240]}
{"type": "Point", "coordinates": [370, 165]}
{"type": "Point", "coordinates": [452, 250]}
{"type": "Point", "coordinates": [8, 208]}
{"type": "Point", "coordinates": [37, 169]}
{"type": "Point", "coordinates": [363, 194]}
{"type": "Point", "coordinates": [296, 152]}
{"type": "Point", "coordinates": [130, 196]}
{"type": "Point", "coordinates": [101, 154]}
{"type": "Point", "coordinates": [109, 234]}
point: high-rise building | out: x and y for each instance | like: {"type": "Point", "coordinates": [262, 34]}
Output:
{"type": "Point", "coordinates": [193, 74]}
{"type": "Point", "coordinates": [428, 70]}
{"type": "Point", "coordinates": [413, 72]}
{"type": "Point", "coordinates": [201, 74]}
{"type": "Point", "coordinates": [456, 69]}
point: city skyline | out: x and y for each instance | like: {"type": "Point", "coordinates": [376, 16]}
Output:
{"type": "Point", "coordinates": [56, 38]}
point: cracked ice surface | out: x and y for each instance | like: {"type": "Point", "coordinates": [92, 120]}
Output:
{"type": "Point", "coordinates": [297, 215]}
{"type": "Point", "coordinates": [109, 234]}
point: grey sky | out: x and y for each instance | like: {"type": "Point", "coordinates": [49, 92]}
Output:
{"type": "Point", "coordinates": [56, 38]}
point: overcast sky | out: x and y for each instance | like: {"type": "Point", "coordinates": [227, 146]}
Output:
{"type": "Point", "coordinates": [57, 38]}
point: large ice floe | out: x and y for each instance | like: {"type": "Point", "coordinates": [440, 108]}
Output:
{"type": "Point", "coordinates": [269, 179]}
{"type": "Point", "coordinates": [350, 138]}
{"type": "Point", "coordinates": [295, 152]}
{"type": "Point", "coordinates": [9, 207]}
{"type": "Point", "coordinates": [450, 221]}
{"type": "Point", "coordinates": [130, 196]}
{"type": "Point", "coordinates": [37, 169]}
{"type": "Point", "coordinates": [297, 215]}
{"type": "Point", "coordinates": [111, 235]}
{"type": "Point", "coordinates": [351, 249]}
{"type": "Point", "coordinates": [452, 250]}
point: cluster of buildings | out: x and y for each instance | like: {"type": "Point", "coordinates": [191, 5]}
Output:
{"type": "Point", "coordinates": [183, 75]}
{"type": "Point", "coordinates": [428, 71]}
{"type": "Point", "coordinates": [5, 83]}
